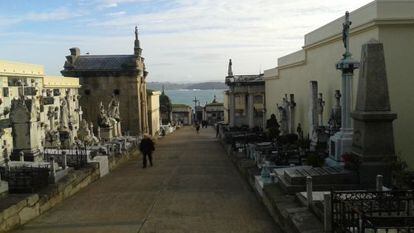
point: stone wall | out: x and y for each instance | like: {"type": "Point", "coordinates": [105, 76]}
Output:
{"type": "Point", "coordinates": [100, 89]}
{"type": "Point", "coordinates": [18, 209]}
{"type": "Point", "coordinates": [324, 47]}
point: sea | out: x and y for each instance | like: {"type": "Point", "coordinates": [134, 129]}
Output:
{"type": "Point", "coordinates": [185, 96]}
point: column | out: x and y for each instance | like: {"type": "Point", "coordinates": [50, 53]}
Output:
{"type": "Point", "coordinates": [346, 101]}
{"type": "Point", "coordinates": [139, 106]}
{"type": "Point", "coordinates": [232, 106]}
{"type": "Point", "coordinates": [250, 110]}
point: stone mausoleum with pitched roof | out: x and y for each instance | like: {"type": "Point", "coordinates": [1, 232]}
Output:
{"type": "Point", "coordinates": [103, 76]}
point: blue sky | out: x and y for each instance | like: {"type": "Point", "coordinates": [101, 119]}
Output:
{"type": "Point", "coordinates": [183, 40]}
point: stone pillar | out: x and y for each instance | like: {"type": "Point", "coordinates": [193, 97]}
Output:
{"type": "Point", "coordinates": [327, 212]}
{"type": "Point", "coordinates": [65, 159]}
{"type": "Point", "coordinates": [145, 106]}
{"type": "Point", "coordinates": [250, 110]}
{"type": "Point", "coordinates": [309, 191]}
{"type": "Point", "coordinates": [232, 107]}
{"type": "Point", "coordinates": [313, 107]}
{"type": "Point", "coordinates": [379, 183]}
{"type": "Point", "coordinates": [139, 106]}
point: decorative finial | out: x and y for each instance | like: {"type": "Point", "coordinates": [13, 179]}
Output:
{"type": "Point", "coordinates": [136, 32]}
{"type": "Point", "coordinates": [230, 70]}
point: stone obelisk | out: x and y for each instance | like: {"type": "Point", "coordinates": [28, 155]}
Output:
{"type": "Point", "coordinates": [373, 138]}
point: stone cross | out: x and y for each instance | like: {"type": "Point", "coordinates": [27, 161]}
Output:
{"type": "Point", "coordinates": [345, 34]}
{"type": "Point", "coordinates": [321, 105]}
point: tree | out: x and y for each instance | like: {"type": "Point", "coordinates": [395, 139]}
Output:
{"type": "Point", "coordinates": [165, 108]}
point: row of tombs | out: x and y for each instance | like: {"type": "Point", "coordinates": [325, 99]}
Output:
{"type": "Point", "coordinates": [351, 158]}
{"type": "Point", "coordinates": [43, 133]}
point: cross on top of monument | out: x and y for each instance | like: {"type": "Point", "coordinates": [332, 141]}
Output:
{"type": "Point", "coordinates": [345, 34]}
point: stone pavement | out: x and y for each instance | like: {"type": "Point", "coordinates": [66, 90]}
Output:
{"type": "Point", "coordinates": [192, 187]}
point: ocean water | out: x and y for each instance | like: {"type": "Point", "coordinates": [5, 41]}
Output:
{"type": "Point", "coordinates": [187, 96]}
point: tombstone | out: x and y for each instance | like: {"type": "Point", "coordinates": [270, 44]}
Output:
{"type": "Point", "coordinates": [26, 130]}
{"type": "Point", "coordinates": [341, 142]}
{"type": "Point", "coordinates": [299, 131]}
{"type": "Point", "coordinates": [373, 138]}
{"type": "Point", "coordinates": [335, 116]}
{"type": "Point", "coordinates": [313, 107]}
{"type": "Point", "coordinates": [283, 120]}
{"type": "Point", "coordinates": [84, 133]}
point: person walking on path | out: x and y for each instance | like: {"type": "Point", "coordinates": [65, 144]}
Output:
{"type": "Point", "coordinates": [146, 147]}
{"type": "Point", "coordinates": [197, 126]}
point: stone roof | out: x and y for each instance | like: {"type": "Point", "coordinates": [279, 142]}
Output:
{"type": "Point", "coordinates": [245, 79]}
{"type": "Point", "coordinates": [103, 62]}
{"type": "Point", "coordinates": [215, 104]}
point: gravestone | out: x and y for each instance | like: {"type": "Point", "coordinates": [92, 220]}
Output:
{"type": "Point", "coordinates": [373, 139]}
{"type": "Point", "coordinates": [26, 131]}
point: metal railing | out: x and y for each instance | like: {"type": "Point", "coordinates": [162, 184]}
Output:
{"type": "Point", "coordinates": [76, 157]}
{"type": "Point", "coordinates": [372, 211]}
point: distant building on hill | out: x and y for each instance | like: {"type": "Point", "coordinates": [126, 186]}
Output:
{"type": "Point", "coordinates": [213, 112]}
{"type": "Point", "coordinates": [246, 97]}
{"type": "Point", "coordinates": [182, 113]}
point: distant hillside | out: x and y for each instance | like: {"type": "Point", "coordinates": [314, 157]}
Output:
{"type": "Point", "coordinates": [177, 86]}
{"type": "Point", "coordinates": [207, 85]}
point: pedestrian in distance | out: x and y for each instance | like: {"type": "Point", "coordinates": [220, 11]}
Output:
{"type": "Point", "coordinates": [197, 127]}
{"type": "Point", "coordinates": [146, 147]}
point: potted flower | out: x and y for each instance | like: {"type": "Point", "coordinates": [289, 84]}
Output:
{"type": "Point", "coordinates": [351, 161]}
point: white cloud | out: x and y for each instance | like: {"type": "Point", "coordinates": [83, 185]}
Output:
{"type": "Point", "coordinates": [60, 13]}
{"type": "Point", "coordinates": [194, 39]}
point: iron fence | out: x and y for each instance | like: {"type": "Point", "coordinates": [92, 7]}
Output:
{"type": "Point", "coordinates": [76, 157]}
{"type": "Point", "coordinates": [372, 211]}
{"type": "Point", "coordinates": [25, 179]}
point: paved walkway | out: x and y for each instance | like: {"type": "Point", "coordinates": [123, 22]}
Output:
{"type": "Point", "coordinates": [193, 187]}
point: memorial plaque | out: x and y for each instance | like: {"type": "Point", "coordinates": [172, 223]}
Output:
{"type": "Point", "coordinates": [48, 100]}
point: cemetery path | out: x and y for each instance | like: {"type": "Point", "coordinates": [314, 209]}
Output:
{"type": "Point", "coordinates": [193, 187]}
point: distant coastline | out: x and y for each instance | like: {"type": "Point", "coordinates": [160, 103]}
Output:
{"type": "Point", "coordinates": [187, 86]}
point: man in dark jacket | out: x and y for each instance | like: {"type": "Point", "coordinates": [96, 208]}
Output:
{"type": "Point", "coordinates": [146, 147]}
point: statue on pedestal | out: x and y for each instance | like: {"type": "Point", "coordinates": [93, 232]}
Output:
{"type": "Point", "coordinates": [103, 119]}
{"type": "Point", "coordinates": [114, 116]}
